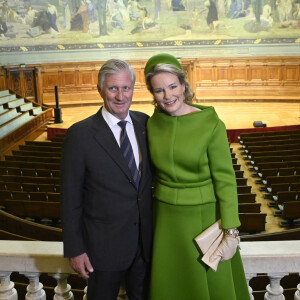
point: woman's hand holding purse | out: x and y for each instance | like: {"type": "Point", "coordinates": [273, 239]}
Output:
{"type": "Point", "coordinates": [227, 247]}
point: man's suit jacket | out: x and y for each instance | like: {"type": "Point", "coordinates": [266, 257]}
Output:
{"type": "Point", "coordinates": [103, 214]}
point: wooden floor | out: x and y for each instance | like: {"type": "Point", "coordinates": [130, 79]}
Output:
{"type": "Point", "coordinates": [236, 115]}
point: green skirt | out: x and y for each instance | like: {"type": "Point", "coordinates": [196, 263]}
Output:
{"type": "Point", "coordinates": [177, 270]}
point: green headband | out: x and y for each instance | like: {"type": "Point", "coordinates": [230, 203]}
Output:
{"type": "Point", "coordinates": [162, 58]}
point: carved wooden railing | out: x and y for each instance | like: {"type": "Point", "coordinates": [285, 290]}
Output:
{"type": "Point", "coordinates": [274, 258]}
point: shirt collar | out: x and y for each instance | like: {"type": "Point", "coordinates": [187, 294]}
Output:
{"type": "Point", "coordinates": [111, 120]}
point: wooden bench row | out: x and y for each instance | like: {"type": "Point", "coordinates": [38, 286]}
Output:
{"type": "Point", "coordinates": [279, 158]}
{"type": "Point", "coordinates": [286, 196]}
{"type": "Point", "coordinates": [278, 187]}
{"type": "Point", "coordinates": [244, 135]}
{"type": "Point", "coordinates": [271, 165]}
{"type": "Point", "coordinates": [280, 153]}
{"type": "Point", "coordinates": [13, 227]}
{"type": "Point", "coordinates": [30, 179]}
{"type": "Point", "coordinates": [36, 153]}
{"type": "Point", "coordinates": [33, 158]}
{"type": "Point", "coordinates": [29, 172]}
{"type": "Point", "coordinates": [263, 143]}
{"type": "Point", "coordinates": [33, 209]}
{"type": "Point", "coordinates": [264, 173]}
{"type": "Point", "coordinates": [29, 187]}
{"type": "Point", "coordinates": [30, 164]}
{"type": "Point", "coordinates": [31, 196]}
{"type": "Point", "coordinates": [290, 212]}
{"type": "Point", "coordinates": [280, 179]}
{"type": "Point", "coordinates": [286, 146]}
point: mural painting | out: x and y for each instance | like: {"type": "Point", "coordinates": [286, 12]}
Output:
{"type": "Point", "coordinates": [29, 25]}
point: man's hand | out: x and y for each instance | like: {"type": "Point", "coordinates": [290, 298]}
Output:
{"type": "Point", "coordinates": [82, 265]}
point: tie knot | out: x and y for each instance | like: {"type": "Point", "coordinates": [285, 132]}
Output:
{"type": "Point", "coordinates": [122, 124]}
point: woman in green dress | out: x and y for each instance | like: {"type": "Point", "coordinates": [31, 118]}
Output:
{"type": "Point", "coordinates": [194, 186]}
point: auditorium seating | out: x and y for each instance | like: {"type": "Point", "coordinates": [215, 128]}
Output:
{"type": "Point", "coordinates": [32, 195]}
{"type": "Point", "coordinates": [252, 222]}
{"type": "Point", "coordinates": [277, 187]}
{"type": "Point", "coordinates": [249, 207]}
{"type": "Point", "coordinates": [14, 123]}
{"type": "Point", "coordinates": [246, 135]}
{"type": "Point", "coordinates": [30, 182]}
{"type": "Point", "coordinates": [29, 172]}
{"type": "Point", "coordinates": [275, 159]}
{"type": "Point", "coordinates": [247, 198]}
{"type": "Point", "coordinates": [28, 230]}
{"type": "Point", "coordinates": [18, 118]}
{"type": "Point", "coordinates": [34, 209]}
{"type": "Point", "coordinates": [285, 196]}
{"type": "Point", "coordinates": [30, 177]}
{"type": "Point", "coordinates": [272, 164]}
{"type": "Point", "coordinates": [264, 173]}
{"type": "Point", "coordinates": [290, 212]}
{"type": "Point", "coordinates": [30, 164]}
{"type": "Point", "coordinates": [29, 187]}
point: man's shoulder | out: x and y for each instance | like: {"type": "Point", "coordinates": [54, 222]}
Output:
{"type": "Point", "coordinates": [83, 124]}
{"type": "Point", "coordinates": [139, 115]}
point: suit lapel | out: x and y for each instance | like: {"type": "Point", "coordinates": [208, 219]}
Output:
{"type": "Point", "coordinates": [140, 132]}
{"type": "Point", "coordinates": [107, 141]}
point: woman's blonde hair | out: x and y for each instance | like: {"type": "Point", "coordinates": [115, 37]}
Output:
{"type": "Point", "coordinates": [160, 68]}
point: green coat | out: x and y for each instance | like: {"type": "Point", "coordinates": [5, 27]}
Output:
{"type": "Point", "coordinates": [195, 185]}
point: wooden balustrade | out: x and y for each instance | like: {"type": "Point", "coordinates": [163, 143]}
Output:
{"type": "Point", "coordinates": [33, 258]}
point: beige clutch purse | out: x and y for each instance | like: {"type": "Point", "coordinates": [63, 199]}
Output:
{"type": "Point", "coordinates": [208, 241]}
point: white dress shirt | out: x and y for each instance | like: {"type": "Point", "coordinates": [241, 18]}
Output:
{"type": "Point", "coordinates": [112, 122]}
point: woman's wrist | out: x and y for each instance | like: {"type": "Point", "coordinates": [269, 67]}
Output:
{"type": "Point", "coordinates": [233, 232]}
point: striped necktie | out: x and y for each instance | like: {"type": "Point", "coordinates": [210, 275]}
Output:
{"type": "Point", "coordinates": [128, 153]}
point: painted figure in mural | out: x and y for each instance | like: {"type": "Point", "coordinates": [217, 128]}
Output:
{"type": "Point", "coordinates": [101, 4]}
{"type": "Point", "coordinates": [266, 19]}
{"type": "Point", "coordinates": [123, 10]}
{"type": "Point", "coordinates": [82, 11]}
{"type": "Point", "coordinates": [134, 10]}
{"type": "Point", "coordinates": [296, 11]}
{"type": "Point", "coordinates": [284, 9]}
{"type": "Point", "coordinates": [144, 23]}
{"type": "Point", "coordinates": [212, 15]}
{"type": "Point", "coordinates": [92, 11]}
{"type": "Point", "coordinates": [30, 15]}
{"type": "Point", "coordinates": [3, 28]}
{"type": "Point", "coordinates": [66, 9]}
{"type": "Point", "coordinates": [117, 18]}
{"type": "Point", "coordinates": [41, 20]}
{"type": "Point", "coordinates": [52, 16]}
{"type": "Point", "coordinates": [157, 9]}
{"type": "Point", "coordinates": [4, 11]}
{"type": "Point", "coordinates": [177, 5]}
{"type": "Point", "coordinates": [76, 23]}
{"type": "Point", "coordinates": [237, 9]}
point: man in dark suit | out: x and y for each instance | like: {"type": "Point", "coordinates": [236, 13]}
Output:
{"type": "Point", "coordinates": [107, 211]}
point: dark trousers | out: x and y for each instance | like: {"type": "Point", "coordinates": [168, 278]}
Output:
{"type": "Point", "coordinates": [105, 285]}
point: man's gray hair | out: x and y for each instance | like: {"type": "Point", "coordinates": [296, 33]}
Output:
{"type": "Point", "coordinates": [114, 66]}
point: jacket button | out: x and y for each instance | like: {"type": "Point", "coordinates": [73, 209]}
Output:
{"type": "Point", "coordinates": [135, 223]}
